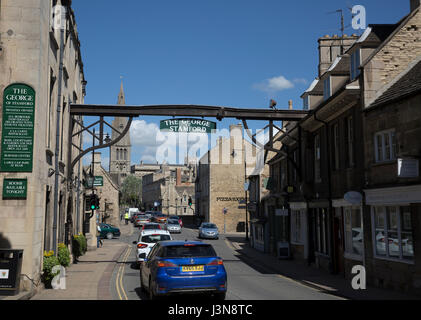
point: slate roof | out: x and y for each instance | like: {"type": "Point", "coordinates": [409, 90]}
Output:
{"type": "Point", "coordinates": [407, 85]}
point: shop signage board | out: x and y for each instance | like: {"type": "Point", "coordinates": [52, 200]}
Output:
{"type": "Point", "coordinates": [17, 128]}
{"type": "Point", "coordinates": [187, 126]}
{"type": "Point", "coordinates": [15, 188]}
{"type": "Point", "coordinates": [98, 181]}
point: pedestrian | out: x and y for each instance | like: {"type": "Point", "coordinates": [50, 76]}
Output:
{"type": "Point", "coordinates": [98, 237]}
{"type": "Point", "coordinates": [121, 216]}
{"type": "Point", "coordinates": [126, 217]}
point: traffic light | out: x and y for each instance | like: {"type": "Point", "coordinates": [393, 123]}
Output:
{"type": "Point", "coordinates": [190, 202]}
{"type": "Point", "coordinates": [94, 202]}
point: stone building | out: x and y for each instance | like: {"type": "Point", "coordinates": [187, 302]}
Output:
{"type": "Point", "coordinates": [143, 169]}
{"type": "Point", "coordinates": [392, 123]}
{"type": "Point", "coordinates": [220, 182]}
{"type": "Point", "coordinates": [352, 165]}
{"type": "Point", "coordinates": [40, 49]}
{"type": "Point", "coordinates": [108, 192]}
{"type": "Point", "coordinates": [171, 187]}
{"type": "Point", "coordinates": [120, 153]}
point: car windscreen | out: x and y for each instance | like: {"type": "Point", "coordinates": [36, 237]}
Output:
{"type": "Point", "coordinates": [173, 222]}
{"type": "Point", "coordinates": [182, 251]}
{"type": "Point", "coordinates": [151, 226]}
{"type": "Point", "coordinates": [209, 226]}
{"type": "Point", "coordinates": [154, 238]}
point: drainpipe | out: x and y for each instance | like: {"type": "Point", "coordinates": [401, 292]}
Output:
{"type": "Point", "coordinates": [57, 148]}
{"type": "Point", "coordinates": [329, 174]}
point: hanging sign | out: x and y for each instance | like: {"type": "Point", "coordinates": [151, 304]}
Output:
{"type": "Point", "coordinates": [188, 126]}
{"type": "Point", "coordinates": [17, 140]}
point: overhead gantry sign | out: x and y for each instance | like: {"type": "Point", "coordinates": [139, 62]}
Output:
{"type": "Point", "coordinates": [131, 112]}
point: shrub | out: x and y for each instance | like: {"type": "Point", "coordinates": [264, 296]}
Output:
{"type": "Point", "coordinates": [63, 255]}
{"type": "Point", "coordinates": [80, 245]}
{"type": "Point", "coordinates": [50, 260]}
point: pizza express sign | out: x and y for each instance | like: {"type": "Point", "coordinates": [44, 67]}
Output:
{"type": "Point", "coordinates": [17, 140]}
{"type": "Point", "coordinates": [188, 125]}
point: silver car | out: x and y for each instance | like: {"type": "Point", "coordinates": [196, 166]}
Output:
{"type": "Point", "coordinates": [173, 226]}
{"type": "Point", "coordinates": [208, 230]}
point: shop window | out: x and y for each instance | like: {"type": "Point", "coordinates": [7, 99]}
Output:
{"type": "Point", "coordinates": [392, 232]}
{"type": "Point", "coordinates": [322, 231]}
{"type": "Point", "coordinates": [354, 234]}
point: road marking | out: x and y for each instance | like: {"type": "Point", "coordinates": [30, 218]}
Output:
{"type": "Point", "coordinates": [120, 273]}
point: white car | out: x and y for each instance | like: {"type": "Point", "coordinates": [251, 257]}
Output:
{"type": "Point", "coordinates": [172, 225]}
{"type": "Point", "coordinates": [147, 240]}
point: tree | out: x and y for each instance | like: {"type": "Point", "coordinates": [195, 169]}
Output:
{"type": "Point", "coordinates": [131, 192]}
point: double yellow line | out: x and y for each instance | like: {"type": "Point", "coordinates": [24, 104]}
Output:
{"type": "Point", "coordinates": [120, 273]}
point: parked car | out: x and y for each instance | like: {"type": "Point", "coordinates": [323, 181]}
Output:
{"type": "Point", "coordinates": [141, 219]}
{"type": "Point", "coordinates": [147, 240]}
{"type": "Point", "coordinates": [180, 221]}
{"type": "Point", "coordinates": [151, 226]}
{"type": "Point", "coordinates": [160, 218]}
{"type": "Point", "coordinates": [173, 225]}
{"type": "Point", "coordinates": [183, 267]}
{"type": "Point", "coordinates": [208, 230]}
{"type": "Point", "coordinates": [108, 231]}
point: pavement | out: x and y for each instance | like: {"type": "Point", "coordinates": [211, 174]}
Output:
{"type": "Point", "coordinates": [309, 275]}
{"type": "Point", "coordinates": [89, 278]}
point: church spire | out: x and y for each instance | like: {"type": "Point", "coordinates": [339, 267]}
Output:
{"type": "Point", "coordinates": [121, 97]}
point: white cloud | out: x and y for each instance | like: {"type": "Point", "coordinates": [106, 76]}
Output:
{"type": "Point", "coordinates": [300, 81]}
{"type": "Point", "coordinates": [274, 84]}
{"type": "Point", "coordinates": [144, 134]}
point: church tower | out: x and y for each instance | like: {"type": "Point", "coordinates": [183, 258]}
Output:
{"type": "Point", "coordinates": [120, 153]}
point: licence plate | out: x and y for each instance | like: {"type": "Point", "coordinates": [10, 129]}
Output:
{"type": "Point", "coordinates": [192, 268]}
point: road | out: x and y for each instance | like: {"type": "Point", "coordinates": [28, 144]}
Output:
{"type": "Point", "coordinates": [246, 280]}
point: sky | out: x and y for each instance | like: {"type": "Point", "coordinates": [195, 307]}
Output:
{"type": "Point", "coordinates": [233, 53]}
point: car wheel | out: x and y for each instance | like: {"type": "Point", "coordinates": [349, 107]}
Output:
{"type": "Point", "coordinates": [109, 235]}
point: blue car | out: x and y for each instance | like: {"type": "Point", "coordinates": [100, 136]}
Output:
{"type": "Point", "coordinates": [183, 267]}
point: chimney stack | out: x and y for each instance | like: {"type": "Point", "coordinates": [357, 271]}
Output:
{"type": "Point", "coordinates": [414, 4]}
{"type": "Point", "coordinates": [290, 105]}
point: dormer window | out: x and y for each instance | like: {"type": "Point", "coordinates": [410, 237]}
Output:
{"type": "Point", "coordinates": [355, 64]}
{"type": "Point", "coordinates": [327, 88]}
{"type": "Point", "coordinates": [306, 103]}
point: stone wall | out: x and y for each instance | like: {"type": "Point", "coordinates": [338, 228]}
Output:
{"type": "Point", "coordinates": [393, 58]}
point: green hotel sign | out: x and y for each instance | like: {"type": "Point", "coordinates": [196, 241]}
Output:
{"type": "Point", "coordinates": [98, 181]}
{"type": "Point", "coordinates": [17, 140]}
{"type": "Point", "coordinates": [15, 188]}
{"type": "Point", "coordinates": [188, 126]}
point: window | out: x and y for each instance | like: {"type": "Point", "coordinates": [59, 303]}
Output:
{"type": "Point", "coordinates": [322, 241]}
{"type": "Point", "coordinates": [392, 232]}
{"type": "Point", "coordinates": [327, 90]}
{"type": "Point", "coordinates": [297, 226]}
{"type": "Point", "coordinates": [335, 135]}
{"type": "Point", "coordinates": [355, 64]}
{"type": "Point", "coordinates": [349, 141]}
{"type": "Point", "coordinates": [306, 103]}
{"type": "Point", "coordinates": [353, 231]}
{"type": "Point", "coordinates": [317, 174]}
{"type": "Point", "coordinates": [385, 146]}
